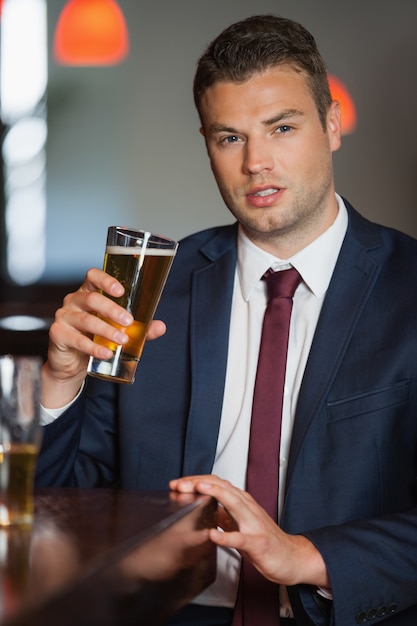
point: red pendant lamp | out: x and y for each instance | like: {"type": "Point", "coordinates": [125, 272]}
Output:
{"type": "Point", "coordinates": [91, 32]}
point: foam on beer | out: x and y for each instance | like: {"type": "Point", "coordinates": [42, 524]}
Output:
{"type": "Point", "coordinates": [134, 251]}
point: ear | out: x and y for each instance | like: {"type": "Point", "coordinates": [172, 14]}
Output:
{"type": "Point", "coordinates": [203, 134]}
{"type": "Point", "coordinates": [334, 125]}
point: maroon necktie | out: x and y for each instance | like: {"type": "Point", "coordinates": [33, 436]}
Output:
{"type": "Point", "coordinates": [258, 599]}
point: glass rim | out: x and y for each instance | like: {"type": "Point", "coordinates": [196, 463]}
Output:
{"type": "Point", "coordinates": [142, 235]}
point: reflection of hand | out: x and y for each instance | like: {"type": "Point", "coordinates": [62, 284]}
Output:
{"type": "Point", "coordinates": [280, 557]}
{"type": "Point", "coordinates": [161, 559]}
{"type": "Point", "coordinates": [180, 546]}
{"type": "Point", "coordinates": [71, 335]}
{"type": "Point", "coordinates": [54, 560]}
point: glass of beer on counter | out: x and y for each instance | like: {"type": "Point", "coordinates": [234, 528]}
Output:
{"type": "Point", "coordinates": [20, 436]}
{"type": "Point", "coordinates": [141, 262]}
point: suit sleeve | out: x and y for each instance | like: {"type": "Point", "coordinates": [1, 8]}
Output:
{"type": "Point", "coordinates": [80, 448]}
{"type": "Point", "coordinates": [372, 568]}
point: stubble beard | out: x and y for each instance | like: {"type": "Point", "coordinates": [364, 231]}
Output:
{"type": "Point", "coordinates": [295, 225]}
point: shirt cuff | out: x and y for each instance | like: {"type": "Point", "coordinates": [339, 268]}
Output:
{"type": "Point", "coordinates": [325, 592]}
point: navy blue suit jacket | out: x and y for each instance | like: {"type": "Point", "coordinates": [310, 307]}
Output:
{"type": "Point", "coordinates": [351, 483]}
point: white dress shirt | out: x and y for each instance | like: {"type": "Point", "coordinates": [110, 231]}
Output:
{"type": "Point", "coordinates": [315, 264]}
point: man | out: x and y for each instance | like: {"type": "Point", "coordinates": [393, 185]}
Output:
{"type": "Point", "coordinates": [344, 551]}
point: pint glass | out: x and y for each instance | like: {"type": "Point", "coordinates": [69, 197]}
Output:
{"type": "Point", "coordinates": [141, 261]}
{"type": "Point", "coordinates": [20, 436]}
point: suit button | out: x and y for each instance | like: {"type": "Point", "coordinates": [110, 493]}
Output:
{"type": "Point", "coordinates": [361, 617]}
{"type": "Point", "coordinates": [381, 611]}
{"type": "Point", "coordinates": [371, 614]}
{"type": "Point", "coordinates": [392, 607]}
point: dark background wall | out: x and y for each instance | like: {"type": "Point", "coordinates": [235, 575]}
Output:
{"type": "Point", "coordinates": [124, 147]}
{"type": "Point", "coordinates": [123, 143]}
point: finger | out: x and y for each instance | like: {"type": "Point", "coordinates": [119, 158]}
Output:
{"type": "Point", "coordinates": [111, 324]}
{"type": "Point", "coordinates": [233, 539]}
{"type": "Point", "coordinates": [189, 484]}
{"type": "Point", "coordinates": [93, 294]}
{"type": "Point", "coordinates": [156, 329]}
{"type": "Point", "coordinates": [96, 280]}
{"type": "Point", "coordinates": [182, 485]}
{"type": "Point", "coordinates": [230, 496]}
{"type": "Point", "coordinates": [97, 303]}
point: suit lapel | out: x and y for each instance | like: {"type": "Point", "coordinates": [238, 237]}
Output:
{"type": "Point", "coordinates": [211, 297]}
{"type": "Point", "coordinates": [349, 290]}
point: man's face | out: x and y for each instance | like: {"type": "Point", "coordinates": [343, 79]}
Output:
{"type": "Point", "coordinates": [271, 157]}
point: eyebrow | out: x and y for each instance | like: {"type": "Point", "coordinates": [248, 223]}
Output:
{"type": "Point", "coordinates": [280, 117]}
{"type": "Point", "coordinates": [285, 115]}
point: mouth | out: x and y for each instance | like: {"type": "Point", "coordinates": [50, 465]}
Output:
{"type": "Point", "coordinates": [264, 197]}
{"type": "Point", "coordinates": [264, 192]}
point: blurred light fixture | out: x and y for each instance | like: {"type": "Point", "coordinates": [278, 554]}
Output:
{"type": "Point", "coordinates": [23, 83]}
{"type": "Point", "coordinates": [24, 323]}
{"type": "Point", "coordinates": [91, 32]}
{"type": "Point", "coordinates": [24, 58]}
{"type": "Point", "coordinates": [347, 107]}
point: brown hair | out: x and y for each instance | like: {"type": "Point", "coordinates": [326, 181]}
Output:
{"type": "Point", "coordinates": [259, 43]}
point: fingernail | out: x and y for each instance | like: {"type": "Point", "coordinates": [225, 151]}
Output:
{"type": "Point", "coordinates": [116, 289]}
{"type": "Point", "coordinates": [126, 319]}
{"type": "Point", "coordinates": [120, 337]}
{"type": "Point", "coordinates": [185, 484]}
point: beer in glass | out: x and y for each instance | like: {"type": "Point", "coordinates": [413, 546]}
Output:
{"type": "Point", "coordinates": [140, 261]}
{"type": "Point", "coordinates": [20, 436]}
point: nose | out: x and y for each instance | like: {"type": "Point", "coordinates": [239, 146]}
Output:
{"type": "Point", "coordinates": [258, 156]}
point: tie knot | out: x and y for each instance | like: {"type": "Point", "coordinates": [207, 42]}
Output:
{"type": "Point", "coordinates": [281, 284]}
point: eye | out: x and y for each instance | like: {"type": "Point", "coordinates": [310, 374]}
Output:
{"type": "Point", "coordinates": [285, 128]}
{"type": "Point", "coordinates": [230, 139]}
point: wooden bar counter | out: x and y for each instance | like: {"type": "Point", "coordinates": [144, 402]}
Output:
{"type": "Point", "coordinates": [101, 557]}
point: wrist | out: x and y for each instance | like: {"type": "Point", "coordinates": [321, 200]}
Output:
{"type": "Point", "coordinates": [58, 391]}
{"type": "Point", "coordinates": [312, 569]}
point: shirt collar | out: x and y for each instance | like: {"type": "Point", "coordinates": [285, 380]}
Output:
{"type": "Point", "coordinates": [315, 263]}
